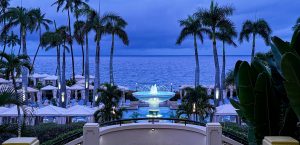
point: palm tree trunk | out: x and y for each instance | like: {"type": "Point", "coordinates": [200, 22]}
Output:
{"type": "Point", "coordinates": [111, 69]}
{"type": "Point", "coordinates": [21, 40]}
{"type": "Point", "coordinates": [223, 87]}
{"type": "Point", "coordinates": [82, 51]}
{"type": "Point", "coordinates": [4, 47]}
{"type": "Point", "coordinates": [97, 71]}
{"type": "Point", "coordinates": [63, 79]}
{"type": "Point", "coordinates": [5, 39]}
{"type": "Point", "coordinates": [87, 69]}
{"type": "Point", "coordinates": [253, 47]}
{"type": "Point", "coordinates": [58, 68]}
{"type": "Point", "coordinates": [217, 66]}
{"type": "Point", "coordinates": [197, 72]}
{"type": "Point", "coordinates": [24, 69]}
{"type": "Point", "coordinates": [18, 107]}
{"type": "Point", "coordinates": [37, 51]}
{"type": "Point", "coordinates": [71, 46]}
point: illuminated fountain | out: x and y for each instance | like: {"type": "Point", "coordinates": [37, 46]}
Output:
{"type": "Point", "coordinates": [153, 98]}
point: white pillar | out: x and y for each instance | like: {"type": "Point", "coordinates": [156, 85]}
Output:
{"type": "Point", "coordinates": [213, 134]}
{"type": "Point", "coordinates": [76, 95]}
{"type": "Point", "coordinates": [54, 92]}
{"type": "Point", "coordinates": [39, 96]}
{"type": "Point", "coordinates": [225, 94]}
{"type": "Point", "coordinates": [82, 94]}
{"type": "Point", "coordinates": [91, 134]}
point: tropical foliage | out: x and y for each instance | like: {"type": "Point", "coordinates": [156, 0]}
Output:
{"type": "Point", "coordinates": [110, 96]}
{"type": "Point", "coordinates": [196, 102]}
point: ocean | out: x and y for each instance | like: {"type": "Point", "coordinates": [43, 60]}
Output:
{"type": "Point", "coordinates": [143, 71]}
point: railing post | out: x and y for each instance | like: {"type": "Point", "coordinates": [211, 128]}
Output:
{"type": "Point", "coordinates": [213, 134]}
{"type": "Point", "coordinates": [91, 134]}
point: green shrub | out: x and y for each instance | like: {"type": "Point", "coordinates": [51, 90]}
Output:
{"type": "Point", "coordinates": [64, 138]}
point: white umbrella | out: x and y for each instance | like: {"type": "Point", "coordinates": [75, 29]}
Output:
{"type": "Point", "coordinates": [79, 110]}
{"type": "Point", "coordinates": [50, 78]}
{"type": "Point", "coordinates": [50, 110]}
{"type": "Point", "coordinates": [76, 87]}
{"type": "Point", "coordinates": [226, 109]}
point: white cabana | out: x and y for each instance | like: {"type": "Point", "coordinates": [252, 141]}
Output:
{"type": "Point", "coordinates": [75, 88]}
{"type": "Point", "coordinates": [50, 88]}
{"type": "Point", "coordinates": [52, 113]}
{"type": "Point", "coordinates": [226, 113]}
{"type": "Point", "coordinates": [13, 112]}
{"type": "Point", "coordinates": [50, 79]}
{"type": "Point", "coordinates": [36, 77]}
{"type": "Point", "coordinates": [32, 93]}
{"type": "Point", "coordinates": [79, 78]}
{"type": "Point", "coordinates": [81, 111]}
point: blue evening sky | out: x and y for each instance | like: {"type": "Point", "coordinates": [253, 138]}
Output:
{"type": "Point", "coordinates": [153, 24]}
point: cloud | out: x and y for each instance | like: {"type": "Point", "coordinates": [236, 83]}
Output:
{"type": "Point", "coordinates": [153, 24]}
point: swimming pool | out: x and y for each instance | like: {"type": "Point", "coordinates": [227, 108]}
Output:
{"type": "Point", "coordinates": [142, 112]}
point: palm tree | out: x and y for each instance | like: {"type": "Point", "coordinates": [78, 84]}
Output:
{"type": "Point", "coordinates": [226, 35]}
{"type": "Point", "coordinates": [259, 27]}
{"type": "Point", "coordinates": [297, 25]}
{"type": "Point", "coordinates": [25, 18]}
{"type": "Point", "coordinates": [110, 96]}
{"type": "Point", "coordinates": [115, 26]}
{"type": "Point", "coordinates": [51, 40]}
{"type": "Point", "coordinates": [196, 101]}
{"type": "Point", "coordinates": [66, 38]}
{"type": "Point", "coordinates": [3, 8]}
{"type": "Point", "coordinates": [70, 6]}
{"type": "Point", "coordinates": [215, 17]}
{"type": "Point", "coordinates": [12, 63]}
{"type": "Point", "coordinates": [79, 36]}
{"type": "Point", "coordinates": [41, 21]}
{"type": "Point", "coordinates": [192, 26]}
{"type": "Point", "coordinates": [12, 41]}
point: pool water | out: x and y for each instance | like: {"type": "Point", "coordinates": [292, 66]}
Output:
{"type": "Point", "coordinates": [142, 112]}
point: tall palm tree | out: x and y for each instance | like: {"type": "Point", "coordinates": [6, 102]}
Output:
{"type": "Point", "coordinates": [297, 25]}
{"type": "Point", "coordinates": [215, 17]}
{"type": "Point", "coordinates": [41, 21]}
{"type": "Point", "coordinates": [196, 101]}
{"type": "Point", "coordinates": [12, 41]}
{"type": "Point", "coordinates": [70, 6]}
{"type": "Point", "coordinates": [192, 26]}
{"type": "Point", "coordinates": [259, 27]}
{"type": "Point", "coordinates": [50, 40]}
{"type": "Point", "coordinates": [66, 39]}
{"type": "Point", "coordinates": [12, 63]}
{"type": "Point", "coordinates": [3, 8]}
{"type": "Point", "coordinates": [115, 26]}
{"type": "Point", "coordinates": [79, 36]}
{"type": "Point", "coordinates": [226, 35]}
{"type": "Point", "coordinates": [25, 18]}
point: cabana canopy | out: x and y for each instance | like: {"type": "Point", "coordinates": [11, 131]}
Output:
{"type": "Point", "coordinates": [36, 75]}
{"type": "Point", "coordinates": [76, 87]}
{"type": "Point", "coordinates": [226, 109]}
{"type": "Point", "coordinates": [50, 78]}
{"type": "Point", "coordinates": [50, 110]}
{"type": "Point", "coordinates": [79, 110]}
{"type": "Point", "coordinates": [3, 109]}
{"type": "Point", "coordinates": [49, 88]}
{"type": "Point", "coordinates": [79, 77]}
{"type": "Point", "coordinates": [30, 90]}
{"type": "Point", "coordinates": [123, 88]}
{"type": "Point", "coordinates": [14, 112]}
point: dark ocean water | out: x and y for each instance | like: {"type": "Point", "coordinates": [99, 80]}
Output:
{"type": "Point", "coordinates": [145, 70]}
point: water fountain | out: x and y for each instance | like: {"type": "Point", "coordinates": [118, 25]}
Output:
{"type": "Point", "coordinates": [153, 98]}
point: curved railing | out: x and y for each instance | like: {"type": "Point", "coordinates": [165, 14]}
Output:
{"type": "Point", "coordinates": [152, 120]}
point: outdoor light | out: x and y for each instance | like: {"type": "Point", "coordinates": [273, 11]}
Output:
{"type": "Point", "coordinates": [217, 93]}
{"type": "Point", "coordinates": [59, 86]}
{"type": "Point", "coordinates": [152, 129]}
{"type": "Point", "coordinates": [194, 107]}
{"type": "Point", "coordinates": [62, 97]}
{"type": "Point", "coordinates": [86, 85]}
{"type": "Point", "coordinates": [96, 97]}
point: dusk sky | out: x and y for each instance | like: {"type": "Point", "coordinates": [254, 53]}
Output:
{"type": "Point", "coordinates": [153, 24]}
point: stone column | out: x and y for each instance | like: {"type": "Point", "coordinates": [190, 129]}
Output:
{"type": "Point", "coordinates": [282, 140]}
{"type": "Point", "coordinates": [91, 134]}
{"type": "Point", "coordinates": [213, 134]}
